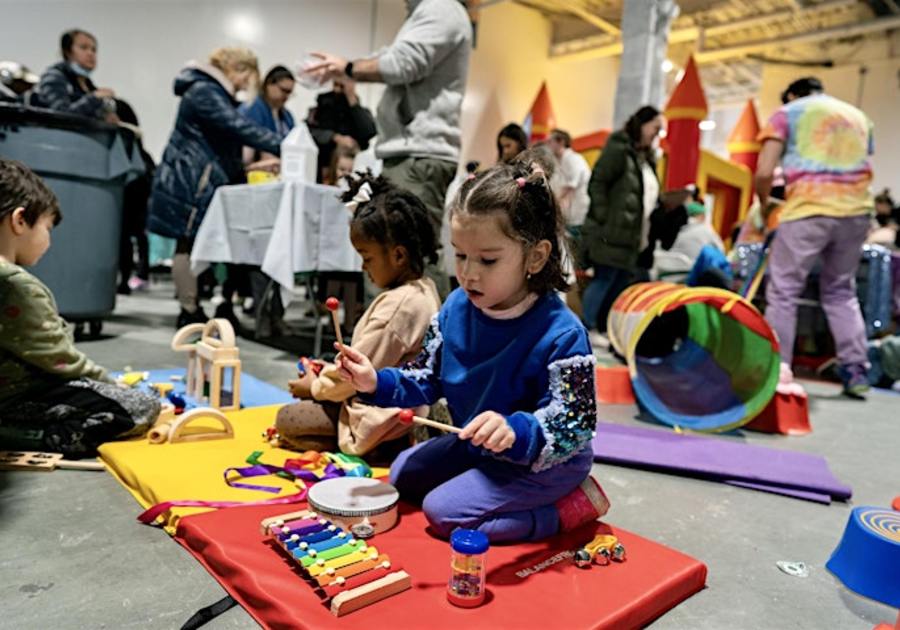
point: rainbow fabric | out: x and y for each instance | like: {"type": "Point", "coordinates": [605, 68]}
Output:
{"type": "Point", "coordinates": [699, 358]}
{"type": "Point", "coordinates": [827, 144]}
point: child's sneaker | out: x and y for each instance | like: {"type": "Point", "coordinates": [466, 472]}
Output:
{"type": "Point", "coordinates": [786, 383]}
{"type": "Point", "coordinates": [138, 284]}
{"type": "Point", "coordinates": [855, 379]}
{"type": "Point", "coordinates": [584, 504]}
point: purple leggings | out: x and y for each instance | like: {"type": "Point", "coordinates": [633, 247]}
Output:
{"type": "Point", "coordinates": [459, 486]}
{"type": "Point", "coordinates": [797, 246]}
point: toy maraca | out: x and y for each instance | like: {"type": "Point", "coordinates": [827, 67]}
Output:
{"type": "Point", "coordinates": [332, 304]}
{"type": "Point", "coordinates": [407, 417]}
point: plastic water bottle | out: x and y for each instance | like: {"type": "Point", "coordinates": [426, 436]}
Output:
{"type": "Point", "coordinates": [299, 156]}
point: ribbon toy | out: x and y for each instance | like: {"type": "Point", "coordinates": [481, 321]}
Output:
{"type": "Point", "coordinates": [309, 468]}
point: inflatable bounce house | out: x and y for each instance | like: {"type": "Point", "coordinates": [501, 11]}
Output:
{"type": "Point", "coordinates": [729, 183]}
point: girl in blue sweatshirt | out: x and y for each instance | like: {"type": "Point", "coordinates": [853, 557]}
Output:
{"type": "Point", "coordinates": [515, 366]}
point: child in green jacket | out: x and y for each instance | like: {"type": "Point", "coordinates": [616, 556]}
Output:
{"type": "Point", "coordinates": [52, 397]}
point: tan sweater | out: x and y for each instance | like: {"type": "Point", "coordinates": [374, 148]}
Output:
{"type": "Point", "coordinates": [390, 333]}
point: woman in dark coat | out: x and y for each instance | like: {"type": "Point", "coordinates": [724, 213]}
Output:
{"type": "Point", "coordinates": [203, 153]}
{"type": "Point", "coordinates": [67, 87]}
{"type": "Point", "coordinates": [617, 224]}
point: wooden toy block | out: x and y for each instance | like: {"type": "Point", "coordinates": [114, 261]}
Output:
{"type": "Point", "coordinates": [170, 428]}
{"type": "Point", "coordinates": [38, 461]}
{"type": "Point", "coordinates": [348, 601]}
{"type": "Point", "coordinates": [208, 359]}
{"type": "Point", "coordinates": [162, 388]}
{"type": "Point", "coordinates": [131, 379]}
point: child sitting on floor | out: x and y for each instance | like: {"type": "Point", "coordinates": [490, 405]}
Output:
{"type": "Point", "coordinates": [390, 230]}
{"type": "Point", "coordinates": [515, 366]}
{"type": "Point", "coordinates": [52, 397]}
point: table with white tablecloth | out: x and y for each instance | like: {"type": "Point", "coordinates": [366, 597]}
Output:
{"type": "Point", "coordinates": [284, 227]}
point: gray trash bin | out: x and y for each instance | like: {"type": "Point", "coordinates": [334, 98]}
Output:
{"type": "Point", "coordinates": [87, 164]}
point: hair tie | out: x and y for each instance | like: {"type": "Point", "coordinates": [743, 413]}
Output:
{"type": "Point", "coordinates": [470, 177]}
{"type": "Point", "coordinates": [520, 182]}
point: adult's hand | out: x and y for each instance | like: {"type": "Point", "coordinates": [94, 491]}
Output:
{"type": "Point", "coordinates": [349, 86]}
{"type": "Point", "coordinates": [104, 93]}
{"type": "Point", "coordinates": [270, 165]}
{"type": "Point", "coordinates": [348, 142]}
{"type": "Point", "coordinates": [328, 67]}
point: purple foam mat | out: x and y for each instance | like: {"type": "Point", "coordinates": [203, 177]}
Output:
{"type": "Point", "coordinates": [797, 475]}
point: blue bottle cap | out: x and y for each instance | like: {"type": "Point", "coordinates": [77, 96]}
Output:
{"type": "Point", "coordinates": [469, 541]}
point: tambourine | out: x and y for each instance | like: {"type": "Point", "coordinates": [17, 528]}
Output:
{"type": "Point", "coordinates": [362, 506]}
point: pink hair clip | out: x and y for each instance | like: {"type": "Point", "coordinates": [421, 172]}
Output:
{"type": "Point", "coordinates": [520, 182]}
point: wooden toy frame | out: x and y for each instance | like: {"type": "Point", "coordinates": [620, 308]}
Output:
{"type": "Point", "coordinates": [169, 428]}
{"type": "Point", "coordinates": [40, 461]}
{"type": "Point", "coordinates": [349, 581]}
{"type": "Point", "coordinates": [213, 353]}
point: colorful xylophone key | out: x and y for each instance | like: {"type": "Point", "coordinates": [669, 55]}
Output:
{"type": "Point", "coordinates": [348, 572]}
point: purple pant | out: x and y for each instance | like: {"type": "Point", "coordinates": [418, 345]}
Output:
{"type": "Point", "coordinates": [797, 246]}
{"type": "Point", "coordinates": [459, 486]}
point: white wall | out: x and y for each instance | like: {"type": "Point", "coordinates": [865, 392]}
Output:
{"type": "Point", "coordinates": [877, 93]}
{"type": "Point", "coordinates": [506, 71]}
{"type": "Point", "coordinates": [144, 43]}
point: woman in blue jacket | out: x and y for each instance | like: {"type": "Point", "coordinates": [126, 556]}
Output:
{"type": "Point", "coordinates": [268, 109]}
{"type": "Point", "coordinates": [203, 153]}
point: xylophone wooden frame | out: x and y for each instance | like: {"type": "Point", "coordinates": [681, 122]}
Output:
{"type": "Point", "coordinates": [353, 599]}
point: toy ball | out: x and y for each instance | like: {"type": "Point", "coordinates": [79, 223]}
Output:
{"type": "Point", "coordinates": [332, 303]}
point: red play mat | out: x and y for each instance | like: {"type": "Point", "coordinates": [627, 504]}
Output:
{"type": "Point", "coordinates": [628, 595]}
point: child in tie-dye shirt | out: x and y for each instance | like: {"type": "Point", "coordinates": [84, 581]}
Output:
{"type": "Point", "coordinates": [52, 397]}
{"type": "Point", "coordinates": [824, 146]}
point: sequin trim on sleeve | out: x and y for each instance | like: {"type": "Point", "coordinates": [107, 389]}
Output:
{"type": "Point", "coordinates": [422, 367]}
{"type": "Point", "coordinates": [570, 420]}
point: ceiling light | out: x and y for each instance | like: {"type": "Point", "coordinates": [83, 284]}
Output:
{"type": "Point", "coordinates": [707, 125]}
{"type": "Point", "coordinates": [667, 66]}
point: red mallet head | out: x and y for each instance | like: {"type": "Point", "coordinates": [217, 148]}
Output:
{"type": "Point", "coordinates": [405, 416]}
{"type": "Point", "coordinates": [332, 304]}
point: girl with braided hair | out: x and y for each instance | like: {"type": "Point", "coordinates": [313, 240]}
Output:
{"type": "Point", "coordinates": [391, 231]}
{"type": "Point", "coordinates": [515, 366]}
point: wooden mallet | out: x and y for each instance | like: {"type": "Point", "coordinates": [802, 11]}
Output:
{"type": "Point", "coordinates": [406, 416]}
{"type": "Point", "coordinates": [332, 304]}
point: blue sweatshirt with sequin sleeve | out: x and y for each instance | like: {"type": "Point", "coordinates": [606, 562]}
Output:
{"type": "Point", "coordinates": [537, 370]}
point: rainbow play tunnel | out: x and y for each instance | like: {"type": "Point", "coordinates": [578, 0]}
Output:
{"type": "Point", "coordinates": [699, 358]}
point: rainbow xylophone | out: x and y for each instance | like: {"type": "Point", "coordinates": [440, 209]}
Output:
{"type": "Point", "coordinates": [346, 572]}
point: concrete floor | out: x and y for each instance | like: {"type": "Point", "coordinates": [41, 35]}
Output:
{"type": "Point", "coordinates": [73, 556]}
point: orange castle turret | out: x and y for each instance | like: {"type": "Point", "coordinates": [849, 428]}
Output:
{"type": "Point", "coordinates": [540, 120]}
{"type": "Point", "coordinates": [684, 111]}
{"type": "Point", "coordinates": [743, 146]}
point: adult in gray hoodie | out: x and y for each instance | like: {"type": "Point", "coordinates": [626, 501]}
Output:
{"type": "Point", "coordinates": [425, 71]}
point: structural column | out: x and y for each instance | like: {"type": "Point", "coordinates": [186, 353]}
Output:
{"type": "Point", "coordinates": [645, 38]}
